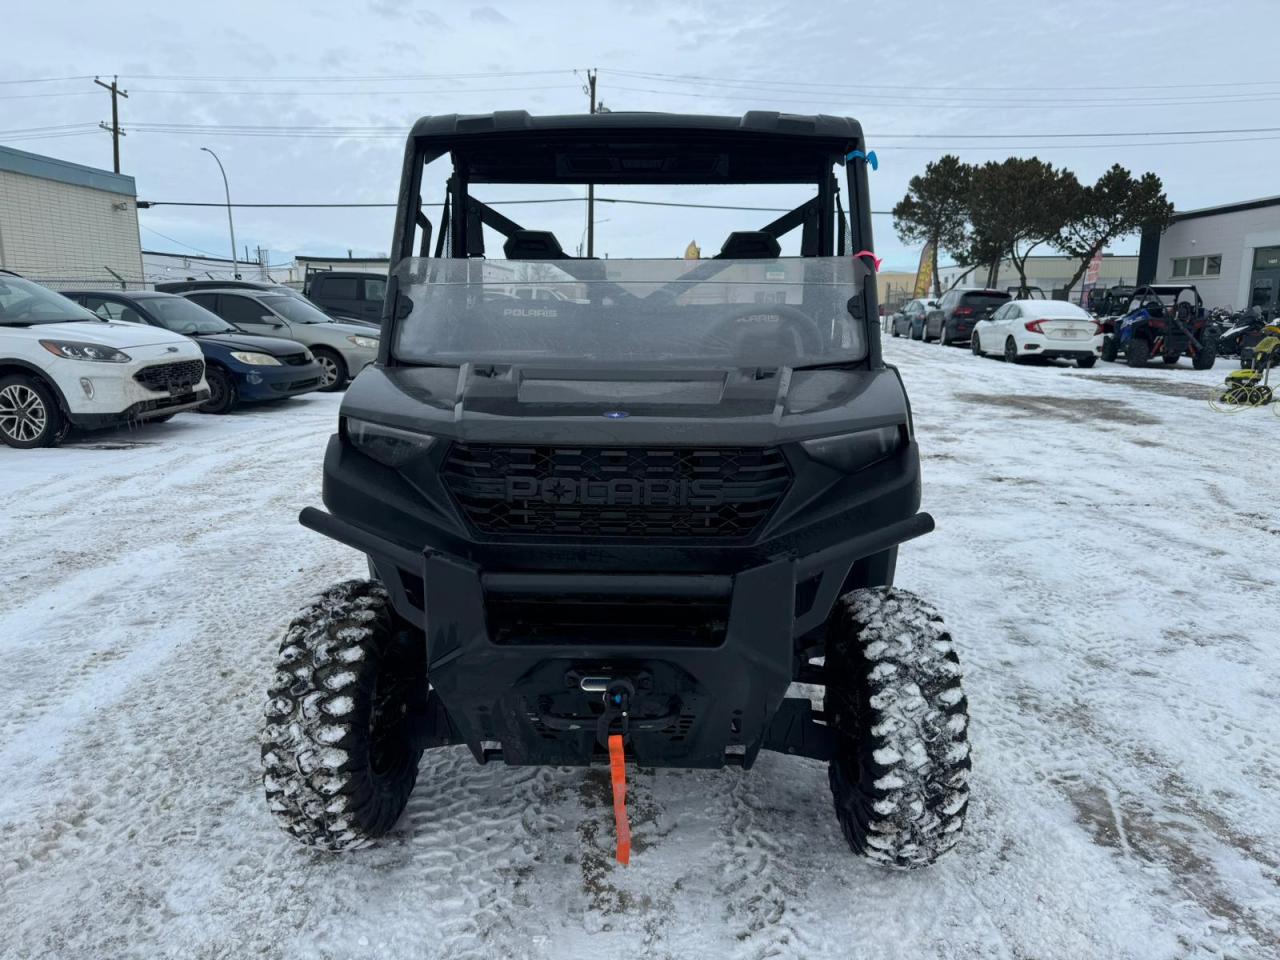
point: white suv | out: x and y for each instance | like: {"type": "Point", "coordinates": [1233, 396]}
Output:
{"type": "Point", "coordinates": [62, 367]}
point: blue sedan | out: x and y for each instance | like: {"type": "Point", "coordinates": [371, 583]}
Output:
{"type": "Point", "coordinates": [239, 367]}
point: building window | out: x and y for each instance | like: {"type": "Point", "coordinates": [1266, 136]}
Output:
{"type": "Point", "coordinates": [1266, 258]}
{"type": "Point", "coordinates": [1197, 266]}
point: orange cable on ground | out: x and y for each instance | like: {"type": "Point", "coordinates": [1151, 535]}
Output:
{"type": "Point", "coordinates": [618, 771]}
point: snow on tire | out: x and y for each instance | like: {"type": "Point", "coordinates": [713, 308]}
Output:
{"type": "Point", "coordinates": [900, 774]}
{"type": "Point", "coordinates": [337, 751]}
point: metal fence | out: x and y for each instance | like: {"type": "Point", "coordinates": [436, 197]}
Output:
{"type": "Point", "coordinates": [82, 281]}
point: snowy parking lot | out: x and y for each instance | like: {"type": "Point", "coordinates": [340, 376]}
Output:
{"type": "Point", "coordinates": [1107, 555]}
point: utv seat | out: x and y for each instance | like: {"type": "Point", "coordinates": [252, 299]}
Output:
{"type": "Point", "coordinates": [750, 245]}
{"type": "Point", "coordinates": [533, 245]}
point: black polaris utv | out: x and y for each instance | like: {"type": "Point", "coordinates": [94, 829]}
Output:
{"type": "Point", "coordinates": [641, 506]}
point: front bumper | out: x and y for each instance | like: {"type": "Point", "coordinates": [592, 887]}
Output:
{"type": "Point", "coordinates": [709, 635]}
{"type": "Point", "coordinates": [357, 358]}
{"type": "Point", "coordinates": [107, 394]}
{"type": "Point", "coordinates": [142, 410]}
{"type": "Point", "coordinates": [700, 701]}
{"type": "Point", "coordinates": [273, 383]}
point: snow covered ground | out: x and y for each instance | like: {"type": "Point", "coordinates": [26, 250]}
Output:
{"type": "Point", "coordinates": [1107, 554]}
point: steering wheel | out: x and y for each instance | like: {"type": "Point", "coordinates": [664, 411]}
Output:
{"type": "Point", "coordinates": [810, 336]}
{"type": "Point", "coordinates": [1183, 311]}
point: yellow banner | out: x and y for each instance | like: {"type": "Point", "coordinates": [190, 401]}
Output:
{"type": "Point", "coordinates": [924, 273]}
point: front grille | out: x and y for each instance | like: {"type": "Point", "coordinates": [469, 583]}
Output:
{"type": "Point", "coordinates": [296, 385]}
{"type": "Point", "coordinates": [171, 376]}
{"type": "Point", "coordinates": [618, 492]}
{"type": "Point", "coordinates": [294, 359]}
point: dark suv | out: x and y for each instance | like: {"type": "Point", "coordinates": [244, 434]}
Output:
{"type": "Point", "coordinates": [348, 293]}
{"type": "Point", "coordinates": [953, 319]}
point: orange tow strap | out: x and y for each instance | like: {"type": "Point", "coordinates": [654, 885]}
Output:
{"type": "Point", "coordinates": [618, 770]}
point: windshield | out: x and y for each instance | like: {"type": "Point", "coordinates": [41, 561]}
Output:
{"type": "Point", "coordinates": [757, 312]}
{"type": "Point", "coordinates": [183, 316]}
{"type": "Point", "coordinates": [294, 309]}
{"type": "Point", "coordinates": [23, 303]}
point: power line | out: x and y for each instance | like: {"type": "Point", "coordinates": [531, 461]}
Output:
{"type": "Point", "coordinates": [52, 136]}
{"type": "Point", "coordinates": [878, 100]}
{"type": "Point", "coordinates": [382, 78]}
{"type": "Point", "coordinates": [1087, 146]}
{"type": "Point", "coordinates": [337, 93]}
{"type": "Point", "coordinates": [46, 96]}
{"type": "Point", "coordinates": [146, 204]}
{"type": "Point", "coordinates": [86, 76]}
{"type": "Point", "coordinates": [685, 78]}
{"type": "Point", "coordinates": [343, 131]}
{"type": "Point", "coordinates": [180, 243]}
{"type": "Point", "coordinates": [1036, 136]}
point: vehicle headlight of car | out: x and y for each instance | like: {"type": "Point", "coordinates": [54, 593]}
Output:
{"type": "Point", "coordinates": [390, 446]}
{"type": "Point", "coordinates": [74, 350]}
{"type": "Point", "coordinates": [851, 452]}
{"type": "Point", "coordinates": [255, 359]}
{"type": "Point", "coordinates": [365, 343]}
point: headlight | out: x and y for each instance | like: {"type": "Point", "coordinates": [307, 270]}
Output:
{"type": "Point", "coordinates": [256, 359]}
{"type": "Point", "coordinates": [366, 343]}
{"type": "Point", "coordinates": [388, 445]}
{"type": "Point", "coordinates": [851, 452]}
{"type": "Point", "coordinates": [73, 350]}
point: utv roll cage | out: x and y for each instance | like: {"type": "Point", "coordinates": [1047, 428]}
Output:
{"type": "Point", "coordinates": [513, 147]}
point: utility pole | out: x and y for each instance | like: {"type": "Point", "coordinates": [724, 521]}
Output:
{"type": "Point", "coordinates": [116, 132]}
{"type": "Point", "coordinates": [590, 90]}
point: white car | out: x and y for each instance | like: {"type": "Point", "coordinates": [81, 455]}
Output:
{"type": "Point", "coordinates": [1039, 328]}
{"type": "Point", "coordinates": [62, 367]}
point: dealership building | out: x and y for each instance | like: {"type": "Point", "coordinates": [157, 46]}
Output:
{"type": "Point", "coordinates": [65, 224]}
{"type": "Point", "coordinates": [1050, 272]}
{"type": "Point", "coordinates": [1231, 253]}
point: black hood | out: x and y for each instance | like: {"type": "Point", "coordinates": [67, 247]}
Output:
{"type": "Point", "coordinates": [510, 403]}
{"type": "Point", "coordinates": [272, 346]}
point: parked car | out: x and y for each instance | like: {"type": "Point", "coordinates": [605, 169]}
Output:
{"type": "Point", "coordinates": [909, 321]}
{"type": "Point", "coordinates": [348, 293]}
{"type": "Point", "coordinates": [239, 367]}
{"type": "Point", "coordinates": [952, 320]}
{"type": "Point", "coordinates": [1039, 328]}
{"type": "Point", "coordinates": [192, 286]}
{"type": "Point", "coordinates": [342, 349]}
{"type": "Point", "coordinates": [63, 367]}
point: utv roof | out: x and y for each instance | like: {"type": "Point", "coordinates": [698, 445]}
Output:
{"type": "Point", "coordinates": [453, 126]}
{"type": "Point", "coordinates": [758, 147]}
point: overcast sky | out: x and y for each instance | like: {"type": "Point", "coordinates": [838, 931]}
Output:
{"type": "Point", "coordinates": [940, 69]}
